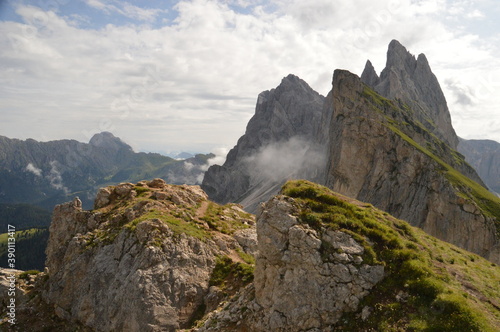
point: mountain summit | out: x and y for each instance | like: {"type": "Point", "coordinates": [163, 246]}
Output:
{"type": "Point", "coordinates": [412, 81]}
{"type": "Point", "coordinates": [109, 141]}
{"type": "Point", "coordinates": [278, 143]}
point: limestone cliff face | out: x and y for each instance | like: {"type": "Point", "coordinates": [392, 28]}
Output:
{"type": "Point", "coordinates": [484, 156]}
{"type": "Point", "coordinates": [143, 258]}
{"type": "Point", "coordinates": [380, 153]}
{"type": "Point", "coordinates": [299, 285]}
{"type": "Point", "coordinates": [278, 144]}
{"type": "Point", "coordinates": [412, 81]}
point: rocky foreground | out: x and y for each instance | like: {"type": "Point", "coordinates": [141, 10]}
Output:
{"type": "Point", "coordinates": [158, 257]}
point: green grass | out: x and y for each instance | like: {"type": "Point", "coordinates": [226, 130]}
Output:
{"type": "Point", "coordinates": [230, 223]}
{"type": "Point", "coordinates": [226, 271]}
{"type": "Point", "coordinates": [25, 275]}
{"type": "Point", "coordinates": [177, 225]}
{"type": "Point", "coordinates": [437, 300]}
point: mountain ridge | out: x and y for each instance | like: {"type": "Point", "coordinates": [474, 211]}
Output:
{"type": "Point", "coordinates": [391, 144]}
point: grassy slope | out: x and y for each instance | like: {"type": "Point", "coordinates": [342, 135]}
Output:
{"type": "Point", "coordinates": [444, 288]}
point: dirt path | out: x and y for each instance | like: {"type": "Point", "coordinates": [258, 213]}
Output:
{"type": "Point", "coordinates": [202, 210]}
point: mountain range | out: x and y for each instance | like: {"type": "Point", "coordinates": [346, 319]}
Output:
{"type": "Point", "coordinates": [48, 173]}
{"type": "Point", "coordinates": [368, 218]}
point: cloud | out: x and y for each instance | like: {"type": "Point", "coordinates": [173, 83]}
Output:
{"type": "Point", "coordinates": [126, 9]}
{"type": "Point", "coordinates": [463, 94]}
{"type": "Point", "coordinates": [194, 174]}
{"type": "Point", "coordinates": [55, 177]}
{"type": "Point", "coordinates": [33, 169]}
{"type": "Point", "coordinates": [291, 159]}
{"type": "Point", "coordinates": [193, 83]}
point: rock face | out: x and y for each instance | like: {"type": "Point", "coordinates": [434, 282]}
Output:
{"type": "Point", "coordinates": [381, 154]}
{"type": "Point", "coordinates": [142, 260]}
{"type": "Point", "coordinates": [299, 286]}
{"type": "Point", "coordinates": [278, 144]}
{"type": "Point", "coordinates": [412, 81]}
{"type": "Point", "coordinates": [484, 156]}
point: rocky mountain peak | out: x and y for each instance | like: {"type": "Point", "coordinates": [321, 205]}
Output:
{"type": "Point", "coordinates": [369, 75]}
{"type": "Point", "coordinates": [399, 57]}
{"type": "Point", "coordinates": [411, 80]}
{"type": "Point", "coordinates": [276, 140]}
{"type": "Point", "coordinates": [107, 140]}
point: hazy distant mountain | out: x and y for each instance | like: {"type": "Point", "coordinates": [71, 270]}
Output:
{"type": "Point", "coordinates": [183, 155]}
{"type": "Point", "coordinates": [47, 173]}
{"type": "Point", "coordinates": [484, 156]}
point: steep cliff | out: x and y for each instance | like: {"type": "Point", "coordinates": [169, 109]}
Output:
{"type": "Point", "coordinates": [328, 263]}
{"type": "Point", "coordinates": [484, 156]}
{"type": "Point", "coordinates": [382, 154]}
{"type": "Point", "coordinates": [278, 144]}
{"type": "Point", "coordinates": [147, 258]}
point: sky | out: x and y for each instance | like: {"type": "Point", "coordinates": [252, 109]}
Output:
{"type": "Point", "coordinates": [170, 76]}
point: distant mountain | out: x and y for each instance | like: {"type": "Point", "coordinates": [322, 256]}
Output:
{"type": "Point", "coordinates": [484, 156]}
{"type": "Point", "coordinates": [183, 155]}
{"type": "Point", "coordinates": [48, 173]}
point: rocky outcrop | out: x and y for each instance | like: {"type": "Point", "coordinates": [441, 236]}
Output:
{"type": "Point", "coordinates": [277, 145]}
{"type": "Point", "coordinates": [383, 155]}
{"type": "Point", "coordinates": [330, 263]}
{"type": "Point", "coordinates": [141, 260]}
{"type": "Point", "coordinates": [299, 284]}
{"type": "Point", "coordinates": [484, 156]}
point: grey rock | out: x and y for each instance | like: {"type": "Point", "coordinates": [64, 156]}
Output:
{"type": "Point", "coordinates": [295, 287]}
{"type": "Point", "coordinates": [285, 122]}
{"type": "Point", "coordinates": [149, 278]}
{"type": "Point", "coordinates": [373, 163]}
{"type": "Point", "coordinates": [484, 156]}
{"type": "Point", "coordinates": [412, 81]}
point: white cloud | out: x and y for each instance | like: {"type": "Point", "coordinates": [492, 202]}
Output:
{"type": "Point", "coordinates": [126, 9]}
{"type": "Point", "coordinates": [55, 177]}
{"type": "Point", "coordinates": [33, 169]}
{"type": "Point", "coordinates": [192, 85]}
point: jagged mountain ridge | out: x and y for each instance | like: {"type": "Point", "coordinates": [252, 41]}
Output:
{"type": "Point", "coordinates": [381, 153]}
{"type": "Point", "coordinates": [397, 153]}
{"type": "Point", "coordinates": [412, 81]}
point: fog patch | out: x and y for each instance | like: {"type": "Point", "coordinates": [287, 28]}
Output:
{"type": "Point", "coordinates": [33, 169]}
{"type": "Point", "coordinates": [297, 158]}
{"type": "Point", "coordinates": [55, 177]}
